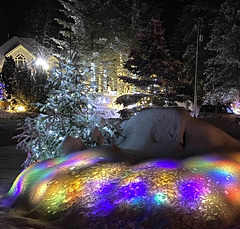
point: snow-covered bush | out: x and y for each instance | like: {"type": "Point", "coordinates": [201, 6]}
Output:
{"type": "Point", "coordinates": [23, 84]}
{"type": "Point", "coordinates": [222, 95]}
{"type": "Point", "coordinates": [68, 111]}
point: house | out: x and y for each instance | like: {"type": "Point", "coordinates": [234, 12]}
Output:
{"type": "Point", "coordinates": [24, 50]}
{"type": "Point", "coordinates": [27, 50]}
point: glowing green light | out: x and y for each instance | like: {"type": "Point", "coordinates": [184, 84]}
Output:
{"type": "Point", "coordinates": [160, 198]}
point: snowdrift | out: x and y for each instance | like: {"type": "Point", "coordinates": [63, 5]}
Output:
{"type": "Point", "coordinates": [173, 133]}
{"type": "Point", "coordinates": [107, 187]}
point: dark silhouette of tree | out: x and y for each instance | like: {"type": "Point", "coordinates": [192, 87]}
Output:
{"type": "Point", "coordinates": [184, 41]}
{"type": "Point", "coordinates": [153, 72]}
{"type": "Point", "coordinates": [4, 18]}
{"type": "Point", "coordinates": [29, 86]}
{"type": "Point", "coordinates": [222, 72]}
{"type": "Point", "coordinates": [40, 23]}
{"type": "Point", "coordinates": [24, 84]}
{"type": "Point", "coordinates": [8, 74]}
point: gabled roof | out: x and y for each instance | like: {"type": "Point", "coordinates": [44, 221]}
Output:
{"type": "Point", "coordinates": [17, 48]}
{"type": "Point", "coordinates": [13, 43]}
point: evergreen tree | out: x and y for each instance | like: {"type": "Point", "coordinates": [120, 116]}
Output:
{"type": "Point", "coordinates": [29, 86]}
{"type": "Point", "coordinates": [196, 15]}
{"type": "Point", "coordinates": [67, 112]}
{"type": "Point", "coordinates": [101, 37]}
{"type": "Point", "coordinates": [24, 84]}
{"type": "Point", "coordinates": [222, 72]}
{"type": "Point", "coordinates": [155, 72]}
{"type": "Point", "coordinates": [8, 74]}
{"type": "Point", "coordinates": [39, 23]}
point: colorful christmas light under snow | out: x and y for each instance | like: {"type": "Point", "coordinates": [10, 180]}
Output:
{"type": "Point", "coordinates": [207, 187]}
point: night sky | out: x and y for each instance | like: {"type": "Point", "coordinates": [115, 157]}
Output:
{"type": "Point", "coordinates": [13, 15]}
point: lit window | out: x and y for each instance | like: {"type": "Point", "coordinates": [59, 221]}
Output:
{"type": "Point", "coordinates": [20, 59]}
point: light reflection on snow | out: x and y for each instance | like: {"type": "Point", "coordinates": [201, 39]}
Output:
{"type": "Point", "coordinates": [205, 186]}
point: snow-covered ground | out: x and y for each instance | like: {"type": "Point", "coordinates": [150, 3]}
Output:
{"type": "Point", "coordinates": [199, 192]}
{"type": "Point", "coordinates": [11, 115]}
{"type": "Point", "coordinates": [230, 127]}
{"type": "Point", "coordinates": [8, 125]}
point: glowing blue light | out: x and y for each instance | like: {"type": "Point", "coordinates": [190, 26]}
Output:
{"type": "Point", "coordinates": [167, 164]}
{"type": "Point", "coordinates": [138, 201]}
{"type": "Point", "coordinates": [191, 190]}
{"type": "Point", "coordinates": [221, 177]}
{"type": "Point", "coordinates": [133, 190]}
{"type": "Point", "coordinates": [104, 205]}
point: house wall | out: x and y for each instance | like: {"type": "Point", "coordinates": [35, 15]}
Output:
{"type": "Point", "coordinates": [27, 55]}
{"type": "Point", "coordinates": [21, 50]}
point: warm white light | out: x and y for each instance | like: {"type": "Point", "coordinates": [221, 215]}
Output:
{"type": "Point", "coordinates": [89, 106]}
{"type": "Point", "coordinates": [41, 62]}
{"type": "Point", "coordinates": [19, 108]}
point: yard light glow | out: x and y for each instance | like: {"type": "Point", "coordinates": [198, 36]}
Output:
{"type": "Point", "coordinates": [20, 108]}
{"type": "Point", "coordinates": [41, 62]}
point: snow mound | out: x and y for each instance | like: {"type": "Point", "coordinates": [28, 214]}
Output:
{"type": "Point", "coordinates": [84, 190]}
{"type": "Point", "coordinates": [172, 132]}
{"type": "Point", "coordinates": [96, 188]}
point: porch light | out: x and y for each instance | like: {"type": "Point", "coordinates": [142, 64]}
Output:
{"type": "Point", "coordinates": [42, 63]}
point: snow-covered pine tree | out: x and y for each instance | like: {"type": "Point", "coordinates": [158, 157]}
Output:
{"type": "Point", "coordinates": [103, 36]}
{"type": "Point", "coordinates": [183, 43]}
{"type": "Point", "coordinates": [152, 71]}
{"type": "Point", "coordinates": [67, 112]}
{"type": "Point", "coordinates": [222, 73]}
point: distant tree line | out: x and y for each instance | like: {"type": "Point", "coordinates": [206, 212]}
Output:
{"type": "Point", "coordinates": [93, 38]}
{"type": "Point", "coordinates": [218, 58]}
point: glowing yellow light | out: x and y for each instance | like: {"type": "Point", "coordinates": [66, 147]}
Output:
{"type": "Point", "coordinates": [20, 108]}
{"type": "Point", "coordinates": [39, 192]}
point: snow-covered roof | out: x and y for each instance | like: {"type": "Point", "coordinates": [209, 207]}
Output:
{"type": "Point", "coordinates": [13, 43]}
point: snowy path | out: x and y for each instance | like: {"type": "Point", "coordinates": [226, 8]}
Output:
{"type": "Point", "coordinates": [10, 157]}
{"type": "Point", "coordinates": [10, 166]}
